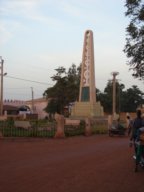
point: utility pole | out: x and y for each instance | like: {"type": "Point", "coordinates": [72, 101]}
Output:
{"type": "Point", "coordinates": [1, 95]}
{"type": "Point", "coordinates": [114, 74]}
{"type": "Point", "coordinates": [32, 99]}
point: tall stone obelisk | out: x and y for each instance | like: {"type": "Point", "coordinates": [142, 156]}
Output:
{"type": "Point", "coordinates": [87, 105]}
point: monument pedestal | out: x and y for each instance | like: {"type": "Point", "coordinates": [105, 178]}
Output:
{"type": "Point", "coordinates": [87, 109]}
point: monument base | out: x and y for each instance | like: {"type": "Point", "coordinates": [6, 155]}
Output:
{"type": "Point", "coordinates": [87, 109]}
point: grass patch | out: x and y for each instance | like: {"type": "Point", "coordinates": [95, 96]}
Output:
{"type": "Point", "coordinates": [99, 129]}
{"type": "Point", "coordinates": [38, 129]}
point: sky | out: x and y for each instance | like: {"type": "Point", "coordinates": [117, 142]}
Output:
{"type": "Point", "coordinates": [38, 36]}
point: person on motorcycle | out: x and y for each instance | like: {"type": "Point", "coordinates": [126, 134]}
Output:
{"type": "Point", "coordinates": [137, 123]}
{"type": "Point", "coordinates": [140, 131]}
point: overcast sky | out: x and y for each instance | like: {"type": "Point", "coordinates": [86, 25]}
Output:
{"type": "Point", "coordinates": [38, 36]}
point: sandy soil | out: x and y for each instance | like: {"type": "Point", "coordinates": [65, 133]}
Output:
{"type": "Point", "coordinates": [98, 163]}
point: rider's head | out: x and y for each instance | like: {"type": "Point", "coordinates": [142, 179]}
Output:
{"type": "Point", "coordinates": [138, 112]}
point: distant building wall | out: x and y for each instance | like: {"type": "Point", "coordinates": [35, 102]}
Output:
{"type": "Point", "coordinates": [16, 103]}
{"type": "Point", "coordinates": [39, 106]}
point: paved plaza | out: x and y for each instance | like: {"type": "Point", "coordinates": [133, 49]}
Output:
{"type": "Point", "coordinates": [98, 163]}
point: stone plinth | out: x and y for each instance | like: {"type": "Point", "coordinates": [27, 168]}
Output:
{"type": "Point", "coordinates": [87, 109]}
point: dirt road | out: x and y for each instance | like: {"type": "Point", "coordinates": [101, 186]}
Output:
{"type": "Point", "coordinates": [77, 164]}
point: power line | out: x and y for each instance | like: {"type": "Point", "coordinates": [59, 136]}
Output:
{"type": "Point", "coordinates": [28, 80]}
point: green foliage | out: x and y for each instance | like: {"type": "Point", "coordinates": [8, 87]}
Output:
{"type": "Point", "coordinates": [65, 90]}
{"type": "Point", "coordinates": [126, 100]}
{"type": "Point", "coordinates": [73, 130]}
{"type": "Point", "coordinates": [39, 129]}
{"type": "Point", "coordinates": [100, 129]}
{"type": "Point", "coordinates": [19, 132]}
{"type": "Point", "coordinates": [131, 99]}
{"type": "Point", "coordinates": [134, 47]}
{"type": "Point", "coordinates": [99, 126]}
{"type": "Point", "coordinates": [107, 97]}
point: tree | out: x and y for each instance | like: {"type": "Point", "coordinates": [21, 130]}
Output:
{"type": "Point", "coordinates": [134, 47]}
{"type": "Point", "coordinates": [132, 98]}
{"type": "Point", "coordinates": [126, 100]}
{"type": "Point", "coordinates": [65, 90]}
{"type": "Point", "coordinates": [106, 98]}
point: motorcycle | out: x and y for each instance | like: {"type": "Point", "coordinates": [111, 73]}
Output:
{"type": "Point", "coordinates": [117, 129]}
{"type": "Point", "coordinates": [113, 132]}
{"type": "Point", "coordinates": [139, 156]}
{"type": "Point", "coordinates": [138, 144]}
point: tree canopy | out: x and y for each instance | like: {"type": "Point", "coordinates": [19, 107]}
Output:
{"type": "Point", "coordinates": [65, 90]}
{"type": "Point", "coordinates": [106, 97]}
{"type": "Point", "coordinates": [126, 100]}
{"type": "Point", "coordinates": [134, 47]}
{"type": "Point", "coordinates": [131, 99]}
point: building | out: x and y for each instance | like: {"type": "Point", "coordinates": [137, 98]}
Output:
{"type": "Point", "coordinates": [37, 106]}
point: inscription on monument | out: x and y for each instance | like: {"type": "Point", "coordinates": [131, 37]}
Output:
{"type": "Point", "coordinates": [86, 79]}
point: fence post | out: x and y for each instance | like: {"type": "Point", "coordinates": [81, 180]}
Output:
{"type": "Point", "coordinates": [110, 120]}
{"type": "Point", "coordinates": [1, 135]}
{"type": "Point", "coordinates": [59, 126]}
{"type": "Point", "coordinates": [88, 129]}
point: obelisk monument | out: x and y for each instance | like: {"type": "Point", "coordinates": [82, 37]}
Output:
{"type": "Point", "coordinates": [87, 105]}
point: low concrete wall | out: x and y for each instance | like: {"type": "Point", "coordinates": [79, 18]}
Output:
{"type": "Point", "coordinates": [72, 121]}
{"type": "Point", "coordinates": [22, 124]}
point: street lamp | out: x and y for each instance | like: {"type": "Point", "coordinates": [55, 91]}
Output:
{"type": "Point", "coordinates": [1, 95]}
